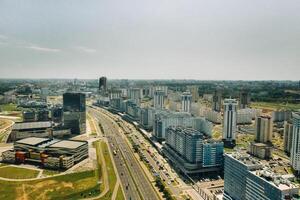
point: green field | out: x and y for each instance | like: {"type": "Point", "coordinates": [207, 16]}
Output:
{"type": "Point", "coordinates": [69, 186]}
{"type": "Point", "coordinates": [120, 194]}
{"type": "Point", "coordinates": [9, 107]}
{"type": "Point", "coordinates": [275, 106]}
{"type": "Point", "coordinates": [109, 167]}
{"type": "Point", "coordinates": [17, 172]}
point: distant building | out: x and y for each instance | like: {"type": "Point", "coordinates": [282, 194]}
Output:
{"type": "Point", "coordinates": [147, 118]}
{"type": "Point", "coordinates": [135, 94]}
{"type": "Point", "coordinates": [29, 116]}
{"type": "Point", "coordinates": [188, 150]}
{"type": "Point", "coordinates": [57, 114]}
{"type": "Point", "coordinates": [43, 115]}
{"type": "Point", "coordinates": [164, 119]}
{"type": "Point", "coordinates": [102, 84]}
{"type": "Point", "coordinates": [159, 96]}
{"type": "Point", "coordinates": [281, 115]}
{"type": "Point", "coordinates": [115, 94]}
{"type": "Point", "coordinates": [264, 129]}
{"type": "Point", "coordinates": [248, 178]}
{"type": "Point", "coordinates": [244, 100]}
{"type": "Point", "coordinates": [74, 107]}
{"type": "Point", "coordinates": [243, 117]}
{"type": "Point", "coordinates": [49, 153]}
{"type": "Point", "coordinates": [287, 136]}
{"type": "Point", "coordinates": [229, 124]}
{"type": "Point", "coordinates": [295, 149]}
{"type": "Point", "coordinates": [260, 150]}
{"type": "Point", "coordinates": [21, 130]}
{"type": "Point", "coordinates": [217, 101]}
{"type": "Point", "coordinates": [194, 92]}
{"type": "Point", "coordinates": [186, 102]}
{"type": "Point", "coordinates": [213, 116]}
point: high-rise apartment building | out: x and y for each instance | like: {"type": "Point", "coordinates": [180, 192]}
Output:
{"type": "Point", "coordinates": [229, 124]}
{"type": "Point", "coordinates": [190, 151]}
{"type": "Point", "coordinates": [135, 94]}
{"type": "Point", "coordinates": [287, 136]}
{"type": "Point", "coordinates": [194, 92]}
{"type": "Point", "coordinates": [217, 101]}
{"type": "Point", "coordinates": [244, 99]}
{"type": "Point", "coordinates": [159, 96]}
{"type": "Point", "coordinates": [295, 150]}
{"type": "Point", "coordinates": [186, 102]}
{"type": "Point", "coordinates": [264, 129]}
{"type": "Point", "coordinates": [74, 107]}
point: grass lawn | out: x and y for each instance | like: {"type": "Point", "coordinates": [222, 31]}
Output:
{"type": "Point", "coordinates": [110, 169]}
{"type": "Point", "coordinates": [275, 106]}
{"type": "Point", "coordinates": [9, 107]}
{"type": "Point", "coordinates": [69, 186]}
{"type": "Point", "coordinates": [17, 172]}
{"type": "Point", "coordinates": [49, 172]}
{"type": "Point", "coordinates": [120, 194]}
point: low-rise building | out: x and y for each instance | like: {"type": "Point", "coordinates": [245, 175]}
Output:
{"type": "Point", "coordinates": [49, 153]}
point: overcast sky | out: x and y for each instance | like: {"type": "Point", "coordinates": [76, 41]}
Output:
{"type": "Point", "coordinates": [153, 39]}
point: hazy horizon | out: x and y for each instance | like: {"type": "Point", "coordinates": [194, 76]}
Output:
{"type": "Point", "coordinates": [200, 40]}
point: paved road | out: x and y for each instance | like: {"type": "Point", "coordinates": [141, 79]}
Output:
{"type": "Point", "coordinates": [130, 189]}
{"type": "Point", "coordinates": [118, 142]}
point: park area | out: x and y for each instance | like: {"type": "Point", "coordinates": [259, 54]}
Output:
{"type": "Point", "coordinates": [100, 183]}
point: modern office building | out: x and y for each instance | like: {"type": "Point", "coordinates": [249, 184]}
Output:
{"type": "Point", "coordinates": [212, 153]}
{"type": "Point", "coordinates": [49, 153]}
{"type": "Point", "coordinates": [102, 84]}
{"type": "Point", "coordinates": [229, 124]}
{"type": "Point", "coordinates": [248, 178]}
{"type": "Point", "coordinates": [217, 101]}
{"type": "Point", "coordinates": [287, 136]}
{"type": "Point", "coordinates": [22, 130]}
{"type": "Point", "coordinates": [46, 129]}
{"type": "Point", "coordinates": [186, 102]}
{"type": "Point", "coordinates": [159, 99]}
{"type": "Point", "coordinates": [295, 149]}
{"type": "Point", "coordinates": [244, 99]}
{"type": "Point", "coordinates": [74, 107]}
{"type": "Point", "coordinates": [264, 129]}
{"type": "Point", "coordinates": [190, 152]}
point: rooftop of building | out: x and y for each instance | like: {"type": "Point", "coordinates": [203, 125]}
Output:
{"type": "Point", "coordinates": [69, 144]}
{"type": "Point", "coordinates": [33, 141]}
{"type": "Point", "coordinates": [51, 143]}
{"type": "Point", "coordinates": [271, 171]}
{"type": "Point", "coordinates": [31, 125]}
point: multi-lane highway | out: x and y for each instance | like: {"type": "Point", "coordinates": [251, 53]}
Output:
{"type": "Point", "coordinates": [134, 181]}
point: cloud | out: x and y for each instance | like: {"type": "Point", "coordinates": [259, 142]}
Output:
{"type": "Point", "coordinates": [3, 37]}
{"type": "Point", "coordinates": [86, 49]}
{"type": "Point", "coordinates": [43, 49]}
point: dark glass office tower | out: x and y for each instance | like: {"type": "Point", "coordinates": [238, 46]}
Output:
{"type": "Point", "coordinates": [74, 112]}
{"type": "Point", "coordinates": [102, 84]}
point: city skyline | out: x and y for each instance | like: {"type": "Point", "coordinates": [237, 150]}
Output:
{"type": "Point", "coordinates": [201, 40]}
